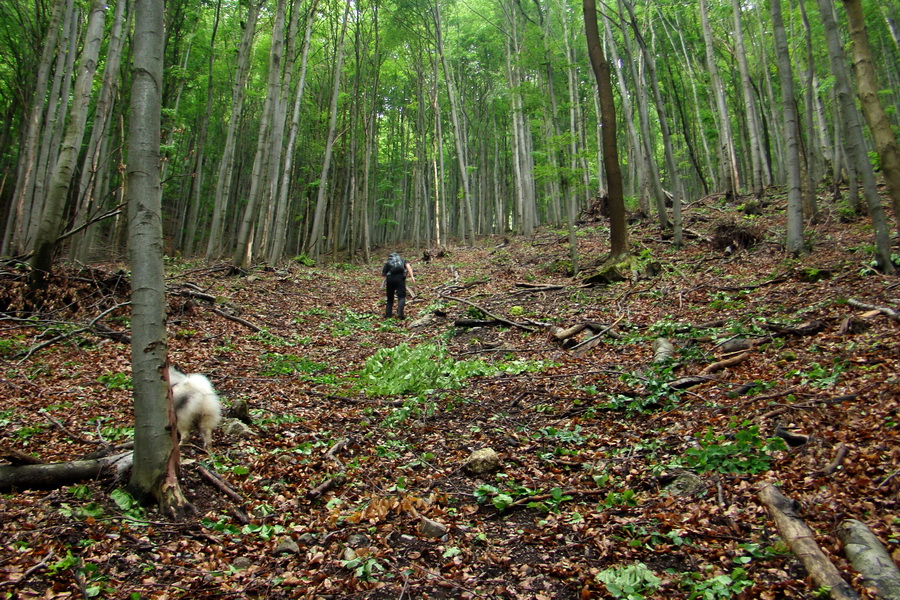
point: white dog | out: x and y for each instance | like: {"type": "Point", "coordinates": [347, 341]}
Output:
{"type": "Point", "coordinates": [196, 404]}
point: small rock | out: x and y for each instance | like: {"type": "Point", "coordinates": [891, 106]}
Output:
{"type": "Point", "coordinates": [482, 461]}
{"type": "Point", "coordinates": [241, 562]}
{"type": "Point", "coordinates": [287, 546]}
{"type": "Point", "coordinates": [430, 528]}
{"type": "Point", "coordinates": [358, 540]}
{"type": "Point", "coordinates": [308, 539]}
{"type": "Point", "coordinates": [686, 484]}
{"type": "Point", "coordinates": [236, 428]}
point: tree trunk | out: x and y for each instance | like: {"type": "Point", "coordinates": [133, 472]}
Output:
{"type": "Point", "coordinates": [226, 166]}
{"type": "Point", "coordinates": [90, 194]}
{"type": "Point", "coordinates": [282, 205]}
{"type": "Point", "coordinates": [188, 242]}
{"type": "Point", "coordinates": [792, 158]}
{"type": "Point", "coordinates": [726, 137]}
{"type": "Point", "coordinates": [855, 143]}
{"type": "Point", "coordinates": [314, 247]}
{"type": "Point", "coordinates": [155, 472]}
{"type": "Point", "coordinates": [14, 239]}
{"type": "Point", "coordinates": [63, 174]}
{"type": "Point", "coordinates": [757, 179]}
{"type": "Point", "coordinates": [879, 125]}
{"type": "Point", "coordinates": [265, 149]}
{"type": "Point", "coordinates": [469, 226]}
{"type": "Point", "coordinates": [618, 234]}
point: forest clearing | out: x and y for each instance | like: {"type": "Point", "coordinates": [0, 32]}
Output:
{"type": "Point", "coordinates": [620, 465]}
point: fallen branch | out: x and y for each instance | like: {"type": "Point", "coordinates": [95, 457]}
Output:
{"type": "Point", "coordinates": [893, 314]}
{"type": "Point", "coordinates": [27, 353]}
{"type": "Point", "coordinates": [799, 538]}
{"type": "Point", "coordinates": [724, 364]}
{"type": "Point", "coordinates": [589, 343]}
{"type": "Point", "coordinates": [326, 485]}
{"type": "Point", "coordinates": [55, 475]}
{"type": "Point", "coordinates": [804, 404]}
{"type": "Point", "coordinates": [243, 322]}
{"type": "Point", "coordinates": [218, 483]}
{"type": "Point", "coordinates": [29, 572]}
{"type": "Point", "coordinates": [835, 464]}
{"type": "Point", "coordinates": [493, 316]}
{"type": "Point", "coordinates": [868, 556]}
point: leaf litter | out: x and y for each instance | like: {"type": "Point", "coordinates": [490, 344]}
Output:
{"type": "Point", "coordinates": [611, 481]}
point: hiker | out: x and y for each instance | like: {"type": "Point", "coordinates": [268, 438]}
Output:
{"type": "Point", "coordinates": [395, 272]}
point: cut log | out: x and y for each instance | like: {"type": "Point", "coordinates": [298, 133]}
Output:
{"type": "Point", "coordinates": [799, 538]}
{"type": "Point", "coordinates": [561, 334]}
{"type": "Point", "coordinates": [55, 475]}
{"type": "Point", "coordinates": [882, 309]}
{"type": "Point", "coordinates": [724, 364]}
{"type": "Point", "coordinates": [868, 556]}
{"type": "Point", "coordinates": [662, 350]}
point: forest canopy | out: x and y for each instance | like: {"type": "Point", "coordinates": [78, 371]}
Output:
{"type": "Point", "coordinates": [315, 128]}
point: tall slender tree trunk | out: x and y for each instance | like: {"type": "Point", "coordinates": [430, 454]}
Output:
{"type": "Point", "coordinates": [674, 177]}
{"type": "Point", "coordinates": [879, 125]}
{"type": "Point", "coordinates": [265, 148]}
{"type": "Point", "coordinates": [469, 225]}
{"type": "Point", "coordinates": [14, 238]}
{"type": "Point", "coordinates": [642, 160]}
{"type": "Point", "coordinates": [757, 178]}
{"type": "Point", "coordinates": [89, 197]}
{"type": "Point", "coordinates": [855, 143]}
{"type": "Point", "coordinates": [281, 211]}
{"type": "Point", "coordinates": [792, 157]}
{"type": "Point", "coordinates": [315, 246]}
{"type": "Point", "coordinates": [618, 232]}
{"type": "Point", "coordinates": [61, 180]}
{"type": "Point", "coordinates": [189, 242]}
{"type": "Point", "coordinates": [154, 474]}
{"type": "Point", "coordinates": [215, 243]}
{"type": "Point", "coordinates": [726, 137]}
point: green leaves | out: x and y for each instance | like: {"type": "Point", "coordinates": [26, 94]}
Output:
{"type": "Point", "coordinates": [631, 581]}
{"type": "Point", "coordinates": [745, 452]}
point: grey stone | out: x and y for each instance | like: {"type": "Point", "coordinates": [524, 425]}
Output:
{"type": "Point", "coordinates": [482, 461]}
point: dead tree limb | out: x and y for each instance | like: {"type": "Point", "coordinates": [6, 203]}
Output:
{"type": "Point", "coordinates": [582, 348]}
{"type": "Point", "coordinates": [893, 314]}
{"type": "Point", "coordinates": [724, 364]}
{"type": "Point", "coordinates": [802, 405]}
{"type": "Point", "coordinates": [27, 353]}
{"type": "Point", "coordinates": [326, 485]}
{"type": "Point", "coordinates": [489, 314]}
{"type": "Point", "coordinates": [799, 538]}
{"type": "Point", "coordinates": [218, 483]}
{"type": "Point", "coordinates": [868, 556]}
{"type": "Point", "coordinates": [243, 322]}
{"type": "Point", "coordinates": [55, 475]}
{"type": "Point", "coordinates": [837, 462]}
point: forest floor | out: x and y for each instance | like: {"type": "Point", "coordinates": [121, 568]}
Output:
{"type": "Point", "coordinates": [386, 412]}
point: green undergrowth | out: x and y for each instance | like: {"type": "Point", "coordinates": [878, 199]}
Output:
{"type": "Point", "coordinates": [406, 369]}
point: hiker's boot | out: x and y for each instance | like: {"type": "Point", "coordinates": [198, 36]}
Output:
{"type": "Point", "coordinates": [400, 305]}
{"type": "Point", "coordinates": [389, 310]}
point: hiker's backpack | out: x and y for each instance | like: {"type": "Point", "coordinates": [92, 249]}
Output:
{"type": "Point", "coordinates": [396, 265]}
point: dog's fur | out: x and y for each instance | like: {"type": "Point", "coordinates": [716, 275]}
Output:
{"type": "Point", "coordinates": [196, 405]}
